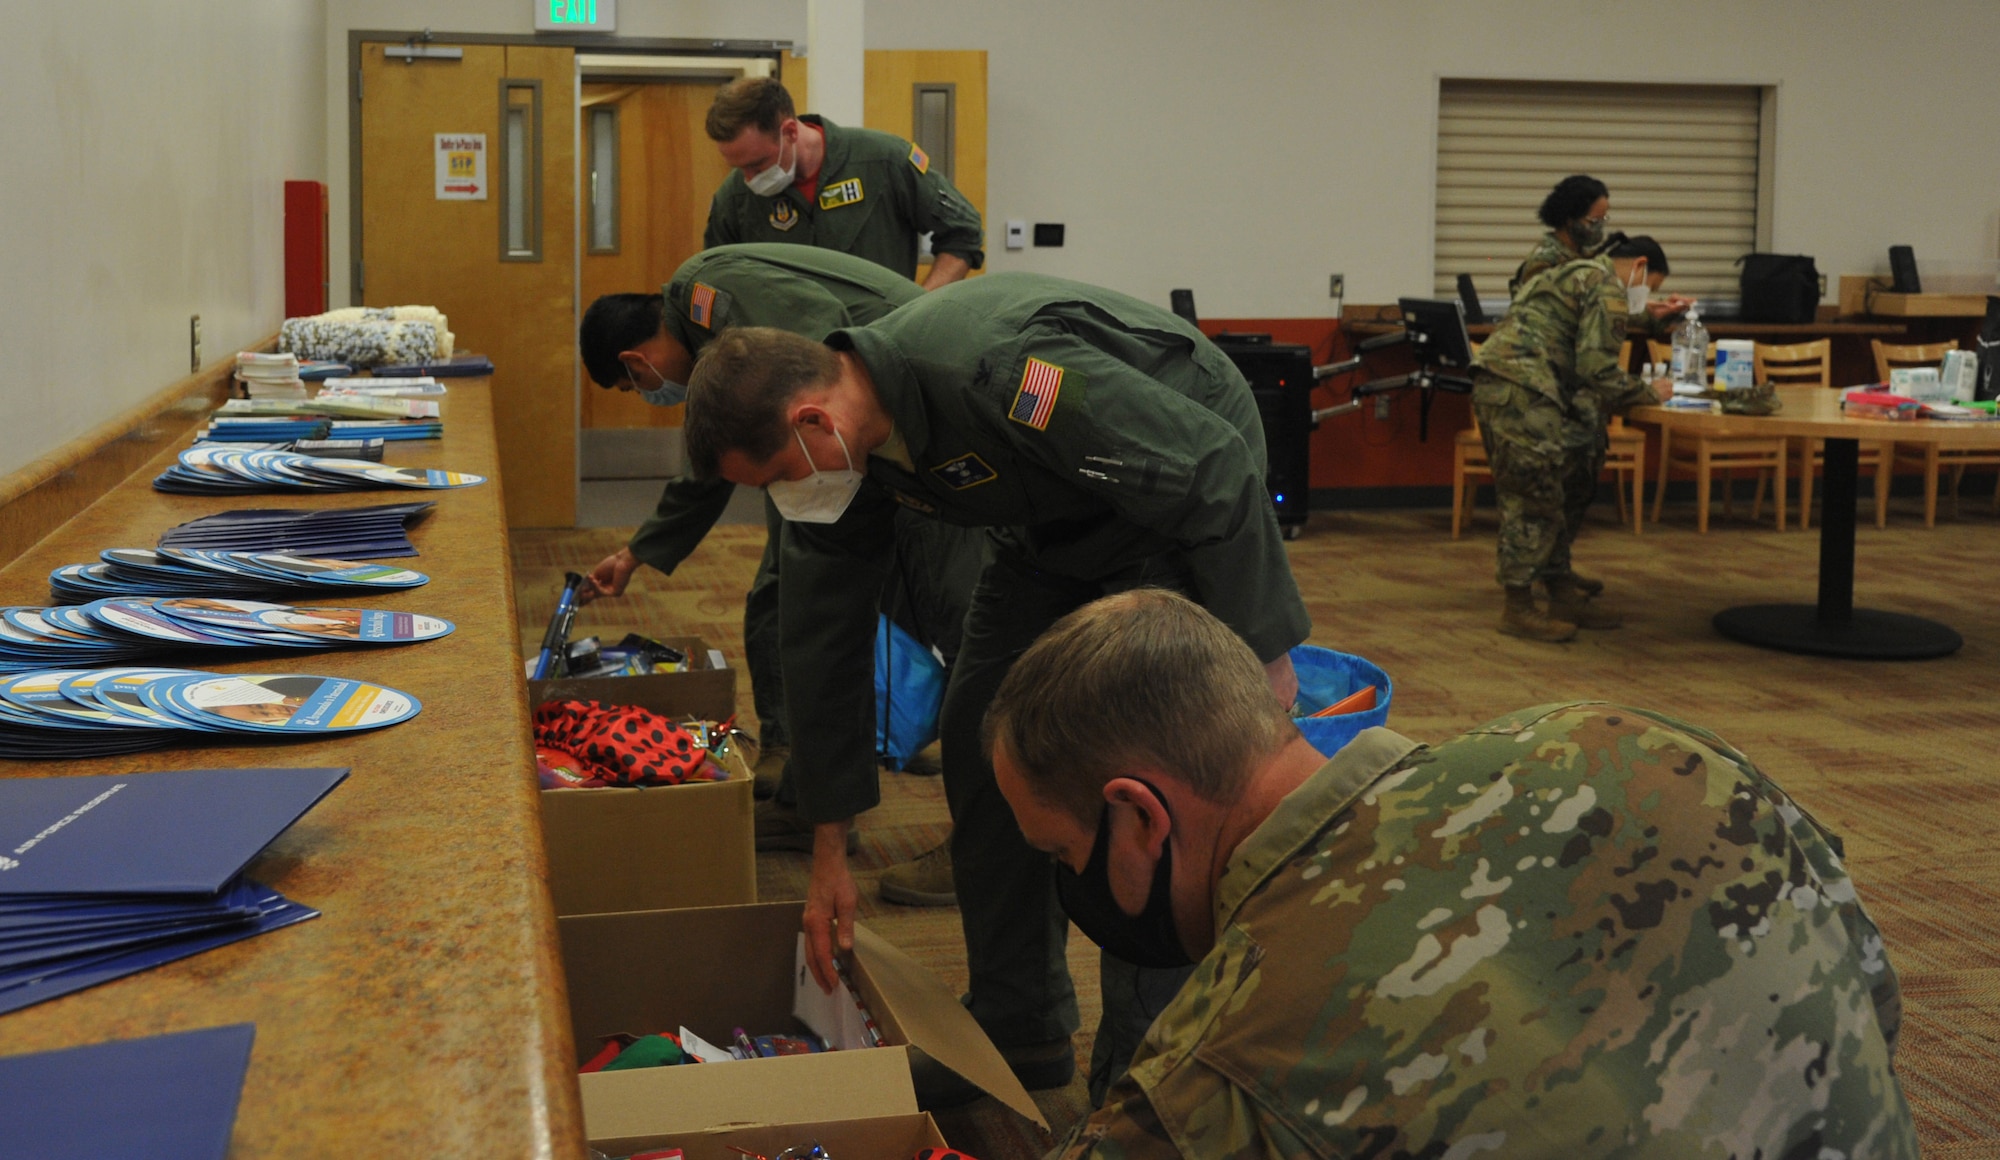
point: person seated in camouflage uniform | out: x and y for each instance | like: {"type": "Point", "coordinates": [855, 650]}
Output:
{"type": "Point", "coordinates": [1580, 930]}
{"type": "Point", "coordinates": [1544, 386]}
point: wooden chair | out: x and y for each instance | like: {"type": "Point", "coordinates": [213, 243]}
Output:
{"type": "Point", "coordinates": [1468, 459]}
{"type": "Point", "coordinates": [1711, 453]}
{"type": "Point", "coordinates": [1930, 458]}
{"type": "Point", "coordinates": [1627, 454]}
{"type": "Point", "coordinates": [1811, 363]}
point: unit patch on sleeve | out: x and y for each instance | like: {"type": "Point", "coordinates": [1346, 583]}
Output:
{"type": "Point", "coordinates": [920, 159]}
{"type": "Point", "coordinates": [968, 470]}
{"type": "Point", "coordinates": [783, 216]}
{"type": "Point", "coordinates": [1035, 400]}
{"type": "Point", "coordinates": [707, 306]}
{"type": "Point", "coordinates": [840, 193]}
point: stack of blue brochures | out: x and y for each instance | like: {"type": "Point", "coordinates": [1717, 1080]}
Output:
{"type": "Point", "coordinates": [121, 630]}
{"type": "Point", "coordinates": [356, 533]}
{"type": "Point", "coordinates": [125, 572]}
{"type": "Point", "coordinates": [105, 876]}
{"type": "Point", "coordinates": [221, 469]}
{"type": "Point", "coordinates": [61, 714]}
{"type": "Point", "coordinates": [165, 1097]}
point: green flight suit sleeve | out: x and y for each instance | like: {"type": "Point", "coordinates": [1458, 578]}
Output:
{"type": "Point", "coordinates": [721, 229]}
{"type": "Point", "coordinates": [940, 210]}
{"type": "Point", "coordinates": [827, 606]}
{"type": "Point", "coordinates": [1173, 466]}
{"type": "Point", "coordinates": [1600, 332]}
{"type": "Point", "coordinates": [797, 304]}
{"type": "Point", "coordinates": [688, 508]}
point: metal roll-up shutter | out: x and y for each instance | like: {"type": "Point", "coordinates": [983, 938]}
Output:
{"type": "Point", "coordinates": [1681, 162]}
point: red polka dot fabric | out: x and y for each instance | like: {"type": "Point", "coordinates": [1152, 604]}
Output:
{"type": "Point", "coordinates": [585, 743]}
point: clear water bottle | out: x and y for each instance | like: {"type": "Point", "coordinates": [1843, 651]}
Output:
{"type": "Point", "coordinates": [1691, 351]}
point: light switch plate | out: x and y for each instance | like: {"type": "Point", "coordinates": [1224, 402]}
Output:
{"type": "Point", "coordinates": [1017, 234]}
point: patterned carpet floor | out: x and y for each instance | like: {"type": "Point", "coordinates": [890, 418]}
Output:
{"type": "Point", "coordinates": [1896, 757]}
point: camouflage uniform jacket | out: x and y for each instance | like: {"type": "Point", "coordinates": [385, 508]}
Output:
{"type": "Point", "coordinates": [1577, 931]}
{"type": "Point", "coordinates": [1552, 251]}
{"type": "Point", "coordinates": [1561, 339]}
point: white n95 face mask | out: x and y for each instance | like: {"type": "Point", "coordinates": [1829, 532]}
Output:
{"type": "Point", "coordinates": [822, 498]}
{"type": "Point", "coordinates": [1637, 296]}
{"type": "Point", "coordinates": [774, 178]}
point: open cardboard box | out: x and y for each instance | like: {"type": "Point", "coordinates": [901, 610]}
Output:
{"type": "Point", "coordinates": [613, 850]}
{"type": "Point", "coordinates": [870, 1138]}
{"type": "Point", "coordinates": [720, 968]}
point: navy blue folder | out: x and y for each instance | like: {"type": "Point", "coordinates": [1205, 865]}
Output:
{"type": "Point", "coordinates": [167, 1097]}
{"type": "Point", "coordinates": [188, 831]}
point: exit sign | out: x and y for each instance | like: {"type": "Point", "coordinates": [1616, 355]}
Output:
{"type": "Point", "coordinates": [576, 15]}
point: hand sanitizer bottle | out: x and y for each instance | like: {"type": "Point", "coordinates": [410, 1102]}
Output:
{"type": "Point", "coordinates": [1691, 351]}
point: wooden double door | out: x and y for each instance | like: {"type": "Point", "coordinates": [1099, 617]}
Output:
{"type": "Point", "coordinates": [514, 269]}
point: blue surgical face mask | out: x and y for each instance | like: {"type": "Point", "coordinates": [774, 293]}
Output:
{"type": "Point", "coordinates": [667, 394]}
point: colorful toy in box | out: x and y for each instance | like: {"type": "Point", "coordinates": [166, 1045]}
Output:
{"type": "Point", "coordinates": [585, 745]}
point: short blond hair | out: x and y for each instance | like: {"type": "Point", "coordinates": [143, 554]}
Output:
{"type": "Point", "coordinates": [1140, 679]}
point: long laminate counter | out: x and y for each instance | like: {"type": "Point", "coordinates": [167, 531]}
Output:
{"type": "Point", "coordinates": [423, 1014]}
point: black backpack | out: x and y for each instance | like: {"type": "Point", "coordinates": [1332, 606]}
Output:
{"type": "Point", "coordinates": [1779, 288]}
{"type": "Point", "coordinates": [1986, 382]}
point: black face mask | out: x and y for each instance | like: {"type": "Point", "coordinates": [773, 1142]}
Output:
{"type": "Point", "coordinates": [1151, 939]}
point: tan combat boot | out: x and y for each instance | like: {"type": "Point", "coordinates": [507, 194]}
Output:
{"type": "Point", "coordinates": [1568, 601]}
{"type": "Point", "coordinates": [1590, 587]}
{"type": "Point", "coordinates": [922, 881]}
{"type": "Point", "coordinates": [1522, 618]}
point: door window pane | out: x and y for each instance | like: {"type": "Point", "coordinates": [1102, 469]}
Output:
{"type": "Point", "coordinates": [604, 179]}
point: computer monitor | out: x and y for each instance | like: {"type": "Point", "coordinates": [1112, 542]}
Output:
{"type": "Point", "coordinates": [1469, 294]}
{"type": "Point", "coordinates": [1437, 332]}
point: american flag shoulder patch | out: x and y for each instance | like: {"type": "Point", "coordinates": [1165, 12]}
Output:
{"type": "Point", "coordinates": [701, 305]}
{"type": "Point", "coordinates": [708, 307]}
{"type": "Point", "coordinates": [1035, 399]}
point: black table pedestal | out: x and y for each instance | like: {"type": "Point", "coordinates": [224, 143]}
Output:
{"type": "Point", "coordinates": [1834, 627]}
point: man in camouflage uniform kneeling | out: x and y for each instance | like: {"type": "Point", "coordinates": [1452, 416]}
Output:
{"type": "Point", "coordinates": [1577, 931]}
{"type": "Point", "coordinates": [1544, 386]}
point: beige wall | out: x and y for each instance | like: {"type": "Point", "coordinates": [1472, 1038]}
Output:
{"type": "Point", "coordinates": [1249, 149]}
{"type": "Point", "coordinates": [145, 148]}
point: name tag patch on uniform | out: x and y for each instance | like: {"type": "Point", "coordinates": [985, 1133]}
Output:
{"type": "Point", "coordinates": [1035, 401]}
{"type": "Point", "coordinates": [920, 159]}
{"type": "Point", "coordinates": [967, 470]}
{"type": "Point", "coordinates": [706, 305]}
{"type": "Point", "coordinates": [914, 504]}
{"type": "Point", "coordinates": [840, 193]}
{"type": "Point", "coordinates": [783, 216]}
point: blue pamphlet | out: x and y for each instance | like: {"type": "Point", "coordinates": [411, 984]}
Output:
{"type": "Point", "coordinates": [166, 1097]}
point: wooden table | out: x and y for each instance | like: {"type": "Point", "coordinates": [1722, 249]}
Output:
{"type": "Point", "coordinates": [424, 1013]}
{"type": "Point", "coordinates": [1833, 626]}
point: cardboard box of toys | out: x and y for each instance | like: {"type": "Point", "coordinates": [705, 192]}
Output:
{"type": "Point", "coordinates": [619, 849]}
{"type": "Point", "coordinates": [871, 1138]}
{"type": "Point", "coordinates": [712, 971]}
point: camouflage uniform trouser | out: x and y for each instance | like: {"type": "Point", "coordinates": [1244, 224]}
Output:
{"type": "Point", "coordinates": [1545, 469]}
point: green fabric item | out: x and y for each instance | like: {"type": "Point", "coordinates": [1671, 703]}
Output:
{"type": "Point", "coordinates": [648, 1051]}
